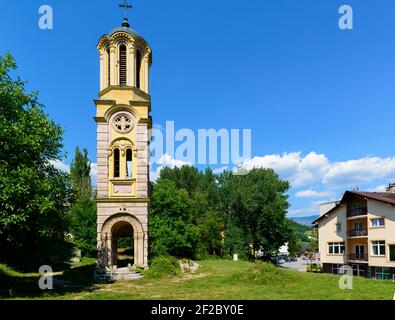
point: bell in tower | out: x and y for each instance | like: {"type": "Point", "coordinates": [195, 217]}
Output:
{"type": "Point", "coordinates": [123, 124]}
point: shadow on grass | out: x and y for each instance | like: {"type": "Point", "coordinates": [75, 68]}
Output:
{"type": "Point", "coordinates": [56, 254]}
{"type": "Point", "coordinates": [73, 280]}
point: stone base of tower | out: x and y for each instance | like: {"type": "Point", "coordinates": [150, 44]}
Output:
{"type": "Point", "coordinates": [116, 219]}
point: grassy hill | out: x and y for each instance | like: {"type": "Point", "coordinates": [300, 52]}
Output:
{"type": "Point", "coordinates": [216, 279]}
{"type": "Point", "coordinates": [302, 231]}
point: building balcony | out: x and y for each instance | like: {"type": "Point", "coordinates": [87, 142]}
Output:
{"type": "Point", "coordinates": [358, 257]}
{"type": "Point", "coordinates": [355, 233]}
{"type": "Point", "coordinates": [357, 212]}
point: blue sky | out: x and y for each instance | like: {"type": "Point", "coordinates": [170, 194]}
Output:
{"type": "Point", "coordinates": [320, 101]}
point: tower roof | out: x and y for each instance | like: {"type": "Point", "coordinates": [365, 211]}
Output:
{"type": "Point", "coordinates": [124, 29]}
{"type": "Point", "coordinates": [130, 31]}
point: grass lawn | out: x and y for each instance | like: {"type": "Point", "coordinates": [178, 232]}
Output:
{"type": "Point", "coordinates": [216, 279]}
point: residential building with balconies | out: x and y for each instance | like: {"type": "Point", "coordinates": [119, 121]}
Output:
{"type": "Point", "coordinates": [359, 231]}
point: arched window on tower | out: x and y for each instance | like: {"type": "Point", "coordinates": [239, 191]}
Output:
{"type": "Point", "coordinates": [108, 67]}
{"type": "Point", "coordinates": [129, 164]}
{"type": "Point", "coordinates": [139, 57]}
{"type": "Point", "coordinates": [122, 65]}
{"type": "Point", "coordinates": [116, 163]}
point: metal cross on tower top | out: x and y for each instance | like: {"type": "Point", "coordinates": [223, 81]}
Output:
{"type": "Point", "coordinates": [125, 6]}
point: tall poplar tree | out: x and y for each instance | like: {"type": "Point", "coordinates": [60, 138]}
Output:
{"type": "Point", "coordinates": [83, 212]}
{"type": "Point", "coordinates": [80, 172]}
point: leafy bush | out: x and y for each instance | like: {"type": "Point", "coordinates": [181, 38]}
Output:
{"type": "Point", "coordinates": [314, 268]}
{"type": "Point", "coordinates": [139, 270]}
{"type": "Point", "coordinates": [163, 266]}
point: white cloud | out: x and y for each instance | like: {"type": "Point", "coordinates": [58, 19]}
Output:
{"type": "Point", "coordinates": [312, 168]}
{"type": "Point", "coordinates": [379, 188]}
{"type": "Point", "coordinates": [360, 171]}
{"type": "Point", "coordinates": [312, 209]}
{"type": "Point", "coordinates": [297, 169]}
{"type": "Point", "coordinates": [315, 170]}
{"type": "Point", "coordinates": [309, 193]}
{"type": "Point", "coordinates": [153, 175]}
{"type": "Point", "coordinates": [220, 170]}
{"type": "Point", "coordinates": [60, 165]}
{"type": "Point", "coordinates": [94, 174]}
{"type": "Point", "coordinates": [166, 161]}
{"type": "Point", "coordinates": [300, 170]}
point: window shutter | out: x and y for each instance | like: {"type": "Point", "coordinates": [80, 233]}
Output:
{"type": "Point", "coordinates": [122, 65]}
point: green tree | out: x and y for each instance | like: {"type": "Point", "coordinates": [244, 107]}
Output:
{"type": "Point", "coordinates": [295, 248]}
{"type": "Point", "coordinates": [211, 226]}
{"type": "Point", "coordinates": [298, 237]}
{"type": "Point", "coordinates": [209, 222]}
{"type": "Point", "coordinates": [231, 214]}
{"type": "Point", "coordinates": [80, 172]}
{"type": "Point", "coordinates": [186, 177]}
{"type": "Point", "coordinates": [83, 212]}
{"type": "Point", "coordinates": [170, 224]}
{"type": "Point", "coordinates": [202, 189]}
{"type": "Point", "coordinates": [83, 226]}
{"type": "Point", "coordinates": [313, 240]}
{"type": "Point", "coordinates": [295, 244]}
{"type": "Point", "coordinates": [235, 241]}
{"type": "Point", "coordinates": [257, 204]}
{"type": "Point", "coordinates": [34, 195]}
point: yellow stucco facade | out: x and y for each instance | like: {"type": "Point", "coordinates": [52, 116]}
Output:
{"type": "Point", "coordinates": [123, 125]}
{"type": "Point", "coordinates": [362, 225]}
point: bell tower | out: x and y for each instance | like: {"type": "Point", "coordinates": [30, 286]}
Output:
{"type": "Point", "coordinates": [123, 123]}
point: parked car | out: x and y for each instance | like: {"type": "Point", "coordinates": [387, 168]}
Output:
{"type": "Point", "coordinates": [280, 261]}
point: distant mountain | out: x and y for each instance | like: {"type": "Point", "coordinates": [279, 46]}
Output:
{"type": "Point", "coordinates": [307, 221]}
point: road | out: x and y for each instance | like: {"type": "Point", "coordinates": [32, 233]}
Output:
{"type": "Point", "coordinates": [300, 265]}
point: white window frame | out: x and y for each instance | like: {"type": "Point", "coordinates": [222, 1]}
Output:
{"type": "Point", "coordinates": [336, 246]}
{"type": "Point", "coordinates": [378, 222]}
{"type": "Point", "coordinates": [379, 244]}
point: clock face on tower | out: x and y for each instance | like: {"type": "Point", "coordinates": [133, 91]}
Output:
{"type": "Point", "coordinates": [123, 123]}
